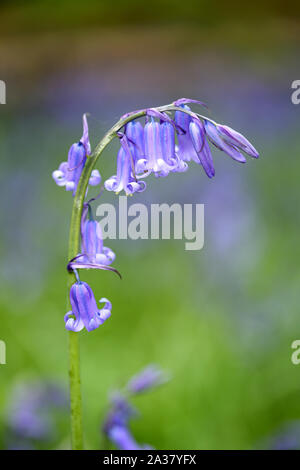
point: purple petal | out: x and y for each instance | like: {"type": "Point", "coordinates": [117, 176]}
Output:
{"type": "Point", "coordinates": [73, 324]}
{"type": "Point", "coordinates": [156, 162]}
{"type": "Point", "coordinates": [135, 187]}
{"type": "Point", "coordinates": [76, 162]}
{"type": "Point", "coordinates": [200, 144]}
{"type": "Point", "coordinates": [186, 150]}
{"type": "Point", "coordinates": [124, 180]}
{"type": "Point", "coordinates": [135, 133]}
{"type": "Point", "coordinates": [234, 138]}
{"type": "Point", "coordinates": [168, 144]}
{"type": "Point", "coordinates": [60, 175]}
{"type": "Point", "coordinates": [215, 138]}
{"type": "Point", "coordinates": [85, 136]}
{"type": "Point", "coordinates": [95, 178]}
{"type": "Point", "coordinates": [162, 116]}
{"type": "Point", "coordinates": [188, 100]}
{"type": "Point", "coordinates": [111, 184]}
{"type": "Point", "coordinates": [150, 377]}
{"type": "Point", "coordinates": [122, 438]}
{"type": "Point", "coordinates": [105, 311]}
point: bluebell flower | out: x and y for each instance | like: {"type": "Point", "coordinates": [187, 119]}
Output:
{"type": "Point", "coordinates": [93, 249]}
{"type": "Point", "coordinates": [135, 134]}
{"type": "Point", "coordinates": [125, 179]}
{"type": "Point", "coordinates": [159, 156]}
{"type": "Point", "coordinates": [68, 173]}
{"type": "Point", "coordinates": [85, 309]}
{"type": "Point", "coordinates": [167, 144]}
{"type": "Point", "coordinates": [197, 134]}
{"type": "Point", "coordinates": [185, 149]}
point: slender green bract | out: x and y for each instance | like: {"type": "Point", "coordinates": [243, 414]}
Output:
{"type": "Point", "coordinates": [74, 250]}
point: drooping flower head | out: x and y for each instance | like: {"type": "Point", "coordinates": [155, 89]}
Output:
{"type": "Point", "coordinates": [84, 309]}
{"type": "Point", "coordinates": [68, 173]}
{"type": "Point", "coordinates": [168, 145]}
{"type": "Point", "coordinates": [196, 133]}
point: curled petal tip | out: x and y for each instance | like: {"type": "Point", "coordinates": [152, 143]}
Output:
{"type": "Point", "coordinates": [182, 101]}
{"type": "Point", "coordinates": [95, 178]}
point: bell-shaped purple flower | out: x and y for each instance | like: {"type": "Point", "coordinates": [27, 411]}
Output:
{"type": "Point", "coordinates": [85, 309]}
{"type": "Point", "coordinates": [167, 131]}
{"type": "Point", "coordinates": [185, 150]}
{"type": "Point", "coordinates": [135, 135]}
{"type": "Point", "coordinates": [157, 140]}
{"type": "Point", "coordinates": [124, 179]}
{"type": "Point", "coordinates": [93, 250]}
{"type": "Point", "coordinates": [68, 173]}
{"type": "Point", "coordinates": [197, 133]}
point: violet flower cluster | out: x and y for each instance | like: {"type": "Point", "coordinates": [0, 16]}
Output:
{"type": "Point", "coordinates": [117, 421]}
{"type": "Point", "coordinates": [166, 145]}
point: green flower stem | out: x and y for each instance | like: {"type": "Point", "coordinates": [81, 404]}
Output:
{"type": "Point", "coordinates": [74, 249]}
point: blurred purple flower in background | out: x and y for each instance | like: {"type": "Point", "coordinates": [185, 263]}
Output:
{"type": "Point", "coordinates": [85, 309]}
{"type": "Point", "coordinates": [151, 376]}
{"type": "Point", "coordinates": [287, 437]}
{"type": "Point", "coordinates": [30, 415]}
{"type": "Point", "coordinates": [116, 423]}
{"type": "Point", "coordinates": [68, 173]}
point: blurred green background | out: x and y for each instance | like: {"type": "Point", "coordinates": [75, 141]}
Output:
{"type": "Point", "coordinates": [221, 320]}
